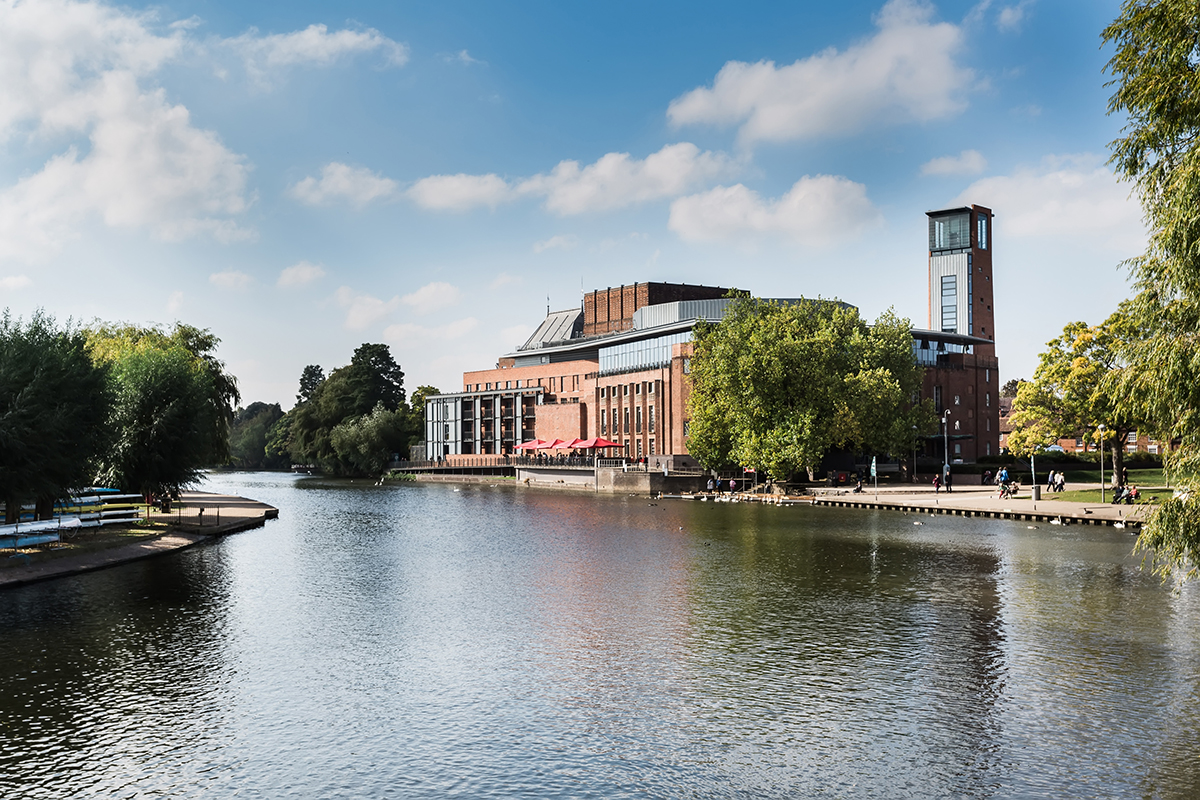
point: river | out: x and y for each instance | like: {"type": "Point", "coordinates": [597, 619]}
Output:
{"type": "Point", "coordinates": [488, 641]}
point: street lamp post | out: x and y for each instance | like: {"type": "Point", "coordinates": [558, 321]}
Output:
{"type": "Point", "coordinates": [1101, 448]}
{"type": "Point", "coordinates": [945, 443]}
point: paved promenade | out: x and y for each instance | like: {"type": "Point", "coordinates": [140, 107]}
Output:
{"type": "Point", "coordinates": [983, 501]}
{"type": "Point", "coordinates": [202, 517]}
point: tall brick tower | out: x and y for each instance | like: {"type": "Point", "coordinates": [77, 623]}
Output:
{"type": "Point", "coordinates": [958, 349]}
{"type": "Point", "coordinates": [960, 274]}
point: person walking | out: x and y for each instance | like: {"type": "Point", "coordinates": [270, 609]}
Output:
{"type": "Point", "coordinates": [710, 485]}
{"type": "Point", "coordinates": [1060, 482]}
{"type": "Point", "coordinates": [1050, 481]}
{"type": "Point", "coordinates": [937, 483]}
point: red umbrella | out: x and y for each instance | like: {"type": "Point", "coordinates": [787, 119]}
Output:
{"type": "Point", "coordinates": [555, 445]}
{"type": "Point", "coordinates": [576, 443]}
{"type": "Point", "coordinates": [533, 444]}
{"type": "Point", "coordinates": [598, 442]}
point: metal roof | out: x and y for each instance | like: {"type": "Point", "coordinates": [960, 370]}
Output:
{"type": "Point", "coordinates": [958, 338]}
{"type": "Point", "coordinates": [558, 326]}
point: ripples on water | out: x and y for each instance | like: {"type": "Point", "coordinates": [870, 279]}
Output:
{"type": "Point", "coordinates": [418, 641]}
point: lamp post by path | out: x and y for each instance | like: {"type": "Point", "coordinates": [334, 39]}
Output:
{"type": "Point", "coordinates": [945, 443]}
{"type": "Point", "coordinates": [1101, 448]}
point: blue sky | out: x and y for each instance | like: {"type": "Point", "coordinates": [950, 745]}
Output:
{"type": "Point", "coordinates": [303, 177]}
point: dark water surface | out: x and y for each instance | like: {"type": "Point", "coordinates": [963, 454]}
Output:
{"type": "Point", "coordinates": [423, 641]}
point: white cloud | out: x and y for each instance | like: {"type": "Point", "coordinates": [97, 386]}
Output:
{"type": "Point", "coordinates": [613, 181]}
{"type": "Point", "coordinates": [358, 186]}
{"type": "Point", "coordinates": [362, 310]}
{"type": "Point", "coordinates": [906, 72]}
{"type": "Point", "coordinates": [313, 45]}
{"type": "Point", "coordinates": [230, 279]}
{"type": "Point", "coordinates": [1064, 196]}
{"type": "Point", "coordinates": [299, 274]}
{"type": "Point", "coordinates": [1011, 17]}
{"type": "Point", "coordinates": [560, 242]}
{"type": "Point", "coordinates": [432, 297]}
{"type": "Point", "coordinates": [968, 162]}
{"type": "Point", "coordinates": [174, 302]}
{"type": "Point", "coordinates": [616, 180]}
{"type": "Point", "coordinates": [460, 192]}
{"type": "Point", "coordinates": [463, 57]}
{"type": "Point", "coordinates": [816, 211]}
{"type": "Point", "coordinates": [504, 279]}
{"type": "Point", "coordinates": [11, 283]}
{"type": "Point", "coordinates": [407, 332]}
{"type": "Point", "coordinates": [75, 70]}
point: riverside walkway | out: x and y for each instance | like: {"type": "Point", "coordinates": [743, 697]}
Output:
{"type": "Point", "coordinates": [200, 516]}
{"type": "Point", "coordinates": [982, 501]}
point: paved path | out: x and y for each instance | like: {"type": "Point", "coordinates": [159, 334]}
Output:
{"type": "Point", "coordinates": [982, 501]}
{"type": "Point", "coordinates": [188, 527]}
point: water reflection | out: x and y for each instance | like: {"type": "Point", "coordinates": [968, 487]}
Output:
{"type": "Point", "coordinates": [422, 641]}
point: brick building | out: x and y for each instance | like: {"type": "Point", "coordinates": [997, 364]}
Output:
{"type": "Point", "coordinates": [958, 348]}
{"type": "Point", "coordinates": [616, 367]}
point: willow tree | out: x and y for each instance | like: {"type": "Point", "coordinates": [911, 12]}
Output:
{"type": "Point", "coordinates": [1156, 72]}
{"type": "Point", "coordinates": [54, 403]}
{"type": "Point", "coordinates": [172, 406]}
{"type": "Point", "coordinates": [777, 386]}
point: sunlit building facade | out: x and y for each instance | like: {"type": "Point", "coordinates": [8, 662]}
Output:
{"type": "Point", "coordinates": [617, 366]}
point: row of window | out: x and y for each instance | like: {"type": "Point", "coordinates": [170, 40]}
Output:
{"type": "Point", "coordinates": [626, 389]}
{"type": "Point", "coordinates": [954, 232]}
{"type": "Point", "coordinates": [937, 397]}
{"type": "Point", "coordinates": [565, 383]}
{"type": "Point", "coordinates": [622, 415]}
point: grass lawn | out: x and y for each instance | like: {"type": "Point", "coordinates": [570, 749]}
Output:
{"type": "Point", "coordinates": [86, 540]}
{"type": "Point", "coordinates": [1137, 477]}
{"type": "Point", "coordinates": [1093, 495]}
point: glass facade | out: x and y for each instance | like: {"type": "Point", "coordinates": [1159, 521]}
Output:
{"type": "Point", "coordinates": [646, 354]}
{"type": "Point", "coordinates": [951, 232]}
{"type": "Point", "coordinates": [928, 350]}
{"type": "Point", "coordinates": [949, 304]}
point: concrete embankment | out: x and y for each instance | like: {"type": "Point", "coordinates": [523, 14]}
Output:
{"type": "Point", "coordinates": [977, 502]}
{"type": "Point", "coordinates": [971, 502]}
{"type": "Point", "coordinates": [200, 517]}
{"type": "Point", "coordinates": [612, 480]}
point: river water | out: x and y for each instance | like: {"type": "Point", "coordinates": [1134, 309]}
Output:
{"type": "Point", "coordinates": [478, 641]}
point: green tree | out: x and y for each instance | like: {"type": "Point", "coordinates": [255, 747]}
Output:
{"type": "Point", "coordinates": [248, 437]}
{"type": "Point", "coordinates": [172, 406]}
{"type": "Point", "coordinates": [372, 379]}
{"type": "Point", "coordinates": [1010, 387]}
{"type": "Point", "coordinates": [1076, 388]}
{"type": "Point", "coordinates": [54, 403]}
{"type": "Point", "coordinates": [310, 380]}
{"type": "Point", "coordinates": [777, 386]}
{"type": "Point", "coordinates": [1156, 72]}
{"type": "Point", "coordinates": [365, 444]}
{"type": "Point", "coordinates": [417, 412]}
{"type": "Point", "coordinates": [109, 343]}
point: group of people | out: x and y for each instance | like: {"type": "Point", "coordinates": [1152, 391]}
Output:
{"type": "Point", "coordinates": [946, 479]}
{"type": "Point", "coordinates": [716, 485]}
{"type": "Point", "coordinates": [1125, 494]}
{"type": "Point", "coordinates": [1056, 482]}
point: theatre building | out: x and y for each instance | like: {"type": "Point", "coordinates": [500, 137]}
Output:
{"type": "Point", "coordinates": [617, 366]}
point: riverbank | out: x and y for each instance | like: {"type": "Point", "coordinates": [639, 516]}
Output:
{"type": "Point", "coordinates": [968, 501]}
{"type": "Point", "coordinates": [199, 517]}
{"type": "Point", "coordinates": [979, 501]}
